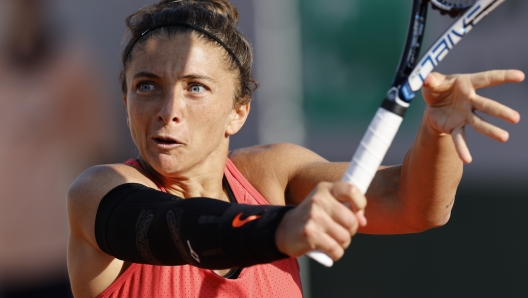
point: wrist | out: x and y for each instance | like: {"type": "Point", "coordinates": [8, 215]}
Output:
{"type": "Point", "coordinates": [431, 127]}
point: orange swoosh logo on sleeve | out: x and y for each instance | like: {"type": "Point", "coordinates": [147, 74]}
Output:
{"type": "Point", "coordinates": [237, 222]}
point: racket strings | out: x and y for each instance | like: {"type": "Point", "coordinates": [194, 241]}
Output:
{"type": "Point", "coordinates": [452, 7]}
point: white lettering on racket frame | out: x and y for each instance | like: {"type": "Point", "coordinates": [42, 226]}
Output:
{"type": "Point", "coordinates": [447, 41]}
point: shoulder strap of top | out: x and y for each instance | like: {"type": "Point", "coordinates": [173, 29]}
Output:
{"type": "Point", "coordinates": [135, 163]}
{"type": "Point", "coordinates": [237, 181]}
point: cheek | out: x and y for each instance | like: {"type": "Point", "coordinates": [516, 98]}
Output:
{"type": "Point", "coordinates": [211, 121]}
{"type": "Point", "coordinates": [136, 120]}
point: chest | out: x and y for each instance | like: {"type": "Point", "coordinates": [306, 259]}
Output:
{"type": "Point", "coordinates": [278, 279]}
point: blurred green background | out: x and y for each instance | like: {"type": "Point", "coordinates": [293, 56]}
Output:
{"type": "Point", "coordinates": [350, 52]}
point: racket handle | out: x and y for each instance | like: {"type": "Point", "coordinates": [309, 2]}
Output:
{"type": "Point", "coordinates": [366, 160]}
{"type": "Point", "coordinates": [320, 257]}
{"type": "Point", "coordinates": [372, 149]}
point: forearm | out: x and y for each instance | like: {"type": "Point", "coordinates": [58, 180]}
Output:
{"type": "Point", "coordinates": [429, 178]}
{"type": "Point", "coordinates": [142, 225]}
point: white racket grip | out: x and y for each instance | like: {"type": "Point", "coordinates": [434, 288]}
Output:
{"type": "Point", "coordinates": [320, 257]}
{"type": "Point", "coordinates": [372, 149]}
{"type": "Point", "coordinates": [366, 161]}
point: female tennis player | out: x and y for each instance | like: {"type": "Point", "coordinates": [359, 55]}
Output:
{"type": "Point", "coordinates": [189, 218]}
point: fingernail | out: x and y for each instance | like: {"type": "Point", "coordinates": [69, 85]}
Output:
{"type": "Point", "coordinates": [361, 218]}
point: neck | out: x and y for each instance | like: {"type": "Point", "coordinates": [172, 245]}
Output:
{"type": "Point", "coordinates": [201, 180]}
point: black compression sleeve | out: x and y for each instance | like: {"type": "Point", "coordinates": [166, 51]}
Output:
{"type": "Point", "coordinates": [143, 225]}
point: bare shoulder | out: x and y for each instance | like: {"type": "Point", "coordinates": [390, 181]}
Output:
{"type": "Point", "coordinates": [90, 269]}
{"type": "Point", "coordinates": [99, 180]}
{"type": "Point", "coordinates": [91, 186]}
{"type": "Point", "coordinates": [270, 168]}
{"type": "Point", "coordinates": [281, 155]}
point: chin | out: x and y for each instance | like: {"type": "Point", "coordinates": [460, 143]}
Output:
{"type": "Point", "coordinates": [168, 164]}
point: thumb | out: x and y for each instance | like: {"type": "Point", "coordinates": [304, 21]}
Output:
{"type": "Point", "coordinates": [360, 215]}
{"type": "Point", "coordinates": [433, 80]}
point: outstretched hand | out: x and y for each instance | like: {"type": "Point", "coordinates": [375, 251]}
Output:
{"type": "Point", "coordinates": [452, 102]}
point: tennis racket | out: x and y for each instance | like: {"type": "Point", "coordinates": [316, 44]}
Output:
{"type": "Point", "coordinates": [409, 78]}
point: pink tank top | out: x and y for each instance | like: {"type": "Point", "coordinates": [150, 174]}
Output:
{"type": "Point", "coordinates": [277, 279]}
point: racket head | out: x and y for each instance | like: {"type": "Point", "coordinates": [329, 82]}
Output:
{"type": "Point", "coordinates": [410, 55]}
{"type": "Point", "coordinates": [452, 7]}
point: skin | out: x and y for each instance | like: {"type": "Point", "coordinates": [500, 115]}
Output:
{"type": "Point", "coordinates": [180, 88]}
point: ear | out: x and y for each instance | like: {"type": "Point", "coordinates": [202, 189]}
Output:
{"type": "Point", "coordinates": [237, 118]}
{"type": "Point", "coordinates": [126, 111]}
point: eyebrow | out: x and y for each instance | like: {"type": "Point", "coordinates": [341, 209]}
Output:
{"type": "Point", "coordinates": [199, 77]}
{"type": "Point", "coordinates": [145, 74]}
{"type": "Point", "coordinates": [189, 76]}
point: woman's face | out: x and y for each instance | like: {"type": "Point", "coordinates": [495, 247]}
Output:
{"type": "Point", "coordinates": [179, 103]}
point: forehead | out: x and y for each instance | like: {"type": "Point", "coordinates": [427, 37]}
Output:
{"type": "Point", "coordinates": [177, 53]}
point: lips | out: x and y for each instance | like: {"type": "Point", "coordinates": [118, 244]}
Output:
{"type": "Point", "coordinates": [165, 141]}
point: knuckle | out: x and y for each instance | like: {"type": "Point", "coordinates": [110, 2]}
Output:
{"type": "Point", "coordinates": [318, 199]}
{"type": "Point", "coordinates": [348, 219]}
{"type": "Point", "coordinates": [347, 243]}
{"type": "Point", "coordinates": [355, 193]}
{"type": "Point", "coordinates": [353, 227]}
{"type": "Point", "coordinates": [323, 185]}
{"type": "Point", "coordinates": [353, 188]}
{"type": "Point", "coordinates": [314, 217]}
{"type": "Point", "coordinates": [343, 239]}
{"type": "Point", "coordinates": [361, 202]}
{"type": "Point", "coordinates": [336, 251]}
{"type": "Point", "coordinates": [308, 232]}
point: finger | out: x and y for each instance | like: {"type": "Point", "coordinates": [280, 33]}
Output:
{"type": "Point", "coordinates": [339, 233]}
{"type": "Point", "coordinates": [435, 84]}
{"type": "Point", "coordinates": [487, 129]}
{"type": "Point", "coordinates": [495, 109]}
{"type": "Point", "coordinates": [329, 246]}
{"type": "Point", "coordinates": [341, 215]}
{"type": "Point", "coordinates": [459, 138]}
{"type": "Point", "coordinates": [362, 220]}
{"type": "Point", "coordinates": [495, 77]}
{"type": "Point", "coordinates": [330, 214]}
{"type": "Point", "coordinates": [433, 80]}
{"type": "Point", "coordinates": [349, 195]}
{"type": "Point", "coordinates": [319, 239]}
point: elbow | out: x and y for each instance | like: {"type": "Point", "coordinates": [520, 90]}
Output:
{"type": "Point", "coordinates": [438, 217]}
{"type": "Point", "coordinates": [430, 222]}
{"type": "Point", "coordinates": [433, 215]}
{"type": "Point", "coordinates": [440, 221]}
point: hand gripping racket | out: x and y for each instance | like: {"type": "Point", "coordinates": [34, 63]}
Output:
{"type": "Point", "coordinates": [409, 79]}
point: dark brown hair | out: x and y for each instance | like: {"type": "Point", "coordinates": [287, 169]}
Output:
{"type": "Point", "coordinates": [219, 18]}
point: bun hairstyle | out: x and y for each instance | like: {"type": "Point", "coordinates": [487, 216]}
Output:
{"type": "Point", "coordinates": [212, 20]}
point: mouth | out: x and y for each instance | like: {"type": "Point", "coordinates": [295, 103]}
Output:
{"type": "Point", "coordinates": [165, 141]}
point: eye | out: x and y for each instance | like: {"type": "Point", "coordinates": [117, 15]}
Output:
{"type": "Point", "coordinates": [145, 87]}
{"type": "Point", "coordinates": [196, 88]}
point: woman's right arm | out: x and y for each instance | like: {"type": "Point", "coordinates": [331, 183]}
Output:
{"type": "Point", "coordinates": [90, 269]}
{"type": "Point", "coordinates": [114, 216]}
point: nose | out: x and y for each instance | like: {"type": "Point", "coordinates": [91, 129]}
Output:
{"type": "Point", "coordinates": [171, 109]}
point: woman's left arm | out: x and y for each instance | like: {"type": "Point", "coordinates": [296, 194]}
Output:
{"type": "Point", "coordinates": [412, 197]}
{"type": "Point", "coordinates": [420, 193]}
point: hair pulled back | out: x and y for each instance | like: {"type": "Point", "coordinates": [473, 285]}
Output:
{"type": "Point", "coordinates": [217, 17]}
